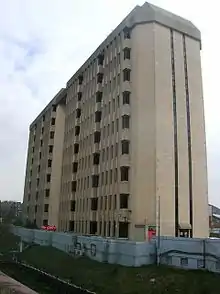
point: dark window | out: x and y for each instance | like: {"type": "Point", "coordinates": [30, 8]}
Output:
{"type": "Point", "coordinates": [53, 121]}
{"type": "Point", "coordinates": [49, 163]}
{"type": "Point", "coordinates": [38, 169]}
{"type": "Point", "coordinates": [48, 178]}
{"type": "Point", "coordinates": [98, 116]}
{"type": "Point", "coordinates": [95, 181]}
{"type": "Point", "coordinates": [124, 173]}
{"type": "Point", "coordinates": [94, 203]}
{"type": "Point", "coordinates": [74, 184]}
{"type": "Point", "coordinates": [76, 148]}
{"type": "Point", "coordinates": [50, 148]}
{"type": "Point", "coordinates": [75, 167]}
{"type": "Point", "coordinates": [43, 117]}
{"type": "Point", "coordinates": [116, 175]}
{"type": "Point", "coordinates": [77, 130]}
{"type": "Point", "coordinates": [126, 74]}
{"type": "Point", "coordinates": [33, 149]}
{"type": "Point", "coordinates": [42, 130]}
{"type": "Point", "coordinates": [37, 195]}
{"type": "Point", "coordinates": [93, 227]}
{"type": "Point", "coordinates": [126, 97]}
{"type": "Point", "coordinates": [124, 200]}
{"type": "Point", "coordinates": [35, 208]}
{"type": "Point", "coordinates": [39, 155]}
{"type": "Point", "coordinates": [41, 142]}
{"type": "Point", "coordinates": [100, 59]}
{"type": "Point", "coordinates": [127, 53]}
{"type": "Point", "coordinates": [71, 226]}
{"type": "Point", "coordinates": [54, 107]}
{"type": "Point", "coordinates": [79, 96]}
{"type": "Point", "coordinates": [78, 113]}
{"type": "Point", "coordinates": [96, 157]}
{"type": "Point", "coordinates": [80, 79]}
{"type": "Point", "coordinates": [99, 78]}
{"type": "Point", "coordinates": [47, 192]}
{"type": "Point", "coordinates": [123, 230]}
{"type": "Point", "coordinates": [127, 33]}
{"type": "Point", "coordinates": [38, 181]}
{"type": "Point", "coordinates": [99, 97]}
{"type": "Point", "coordinates": [51, 135]}
{"type": "Point", "coordinates": [46, 207]}
{"type": "Point", "coordinates": [124, 147]}
{"type": "Point", "coordinates": [45, 222]}
{"type": "Point", "coordinates": [97, 137]}
{"type": "Point", "coordinates": [72, 205]}
{"type": "Point", "coordinates": [125, 121]}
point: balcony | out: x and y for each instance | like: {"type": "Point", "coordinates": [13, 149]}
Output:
{"type": "Point", "coordinates": [79, 88]}
{"type": "Point", "coordinates": [93, 216]}
{"type": "Point", "coordinates": [95, 148]}
{"type": "Point", "coordinates": [98, 106]}
{"type": "Point", "coordinates": [95, 169]}
{"type": "Point", "coordinates": [124, 215]}
{"type": "Point", "coordinates": [126, 43]}
{"type": "Point", "coordinates": [99, 87]}
{"type": "Point", "coordinates": [124, 187]}
{"type": "Point", "coordinates": [126, 64]}
{"type": "Point", "coordinates": [124, 160]}
{"type": "Point", "coordinates": [125, 134]}
{"type": "Point", "coordinates": [100, 69]}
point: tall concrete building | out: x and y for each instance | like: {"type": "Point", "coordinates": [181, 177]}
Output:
{"type": "Point", "coordinates": [123, 146]}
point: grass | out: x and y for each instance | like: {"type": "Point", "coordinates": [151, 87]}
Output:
{"type": "Point", "coordinates": [105, 279]}
{"type": "Point", "coordinates": [8, 241]}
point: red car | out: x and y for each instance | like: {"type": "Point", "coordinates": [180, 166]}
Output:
{"type": "Point", "coordinates": [49, 228]}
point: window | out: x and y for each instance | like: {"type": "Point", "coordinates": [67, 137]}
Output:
{"type": "Point", "coordinates": [38, 169]}
{"type": "Point", "coordinates": [42, 130]}
{"type": "Point", "coordinates": [93, 227]}
{"type": "Point", "coordinates": [74, 184]}
{"type": "Point", "coordinates": [105, 202]}
{"type": "Point", "coordinates": [53, 121]}
{"type": "Point", "coordinates": [124, 201]}
{"type": "Point", "coordinates": [123, 230]}
{"type": "Point", "coordinates": [35, 208]}
{"type": "Point", "coordinates": [50, 148]}
{"type": "Point", "coordinates": [98, 116]}
{"type": "Point", "coordinates": [111, 152]}
{"type": "Point", "coordinates": [126, 97]}
{"type": "Point", "coordinates": [117, 124]}
{"type": "Point", "coordinates": [71, 225]}
{"type": "Point", "coordinates": [80, 79]}
{"type": "Point", "coordinates": [72, 205]}
{"type": "Point", "coordinates": [37, 195]}
{"type": "Point", "coordinates": [38, 181]}
{"type": "Point", "coordinates": [47, 193]}
{"type": "Point", "coordinates": [125, 121]}
{"type": "Point", "coordinates": [127, 33]}
{"type": "Point", "coordinates": [126, 74]}
{"type": "Point", "coordinates": [46, 207]}
{"type": "Point", "coordinates": [75, 167]}
{"type": "Point", "coordinates": [106, 177]}
{"type": "Point", "coordinates": [124, 147]}
{"type": "Point", "coordinates": [96, 157]}
{"type": "Point", "coordinates": [48, 178]}
{"type": "Point", "coordinates": [124, 173]}
{"type": "Point", "coordinates": [78, 113]}
{"type": "Point", "coordinates": [41, 142]}
{"type": "Point", "coordinates": [110, 177]}
{"type": "Point", "coordinates": [99, 78]}
{"type": "Point", "coordinates": [95, 181]}
{"type": "Point", "coordinates": [33, 149]}
{"type": "Point", "coordinates": [100, 59]}
{"type": "Point", "coordinates": [113, 127]}
{"type": "Point", "coordinates": [76, 148]}
{"type": "Point", "coordinates": [43, 117]}
{"type": "Point", "coordinates": [94, 203]}
{"type": "Point", "coordinates": [127, 53]}
{"type": "Point", "coordinates": [99, 97]}
{"type": "Point", "coordinates": [51, 135]}
{"type": "Point", "coordinates": [79, 96]}
{"type": "Point", "coordinates": [49, 163]}
{"type": "Point", "coordinates": [97, 137]}
{"type": "Point", "coordinates": [116, 175]}
{"type": "Point", "coordinates": [39, 156]}
{"type": "Point", "coordinates": [77, 130]}
{"type": "Point", "coordinates": [45, 222]}
{"type": "Point", "coordinates": [54, 108]}
{"type": "Point", "coordinates": [110, 202]}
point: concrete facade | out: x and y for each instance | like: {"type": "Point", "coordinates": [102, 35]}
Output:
{"type": "Point", "coordinates": [132, 136]}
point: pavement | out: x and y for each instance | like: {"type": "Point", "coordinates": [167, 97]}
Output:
{"type": "Point", "coordinates": [9, 286]}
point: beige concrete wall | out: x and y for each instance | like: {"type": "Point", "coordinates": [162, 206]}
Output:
{"type": "Point", "coordinates": [183, 166]}
{"type": "Point", "coordinates": [142, 129]}
{"type": "Point", "coordinates": [54, 198]}
{"type": "Point", "coordinates": [164, 130]}
{"type": "Point", "coordinates": [199, 161]}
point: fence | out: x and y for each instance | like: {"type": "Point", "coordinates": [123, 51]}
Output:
{"type": "Point", "coordinates": [179, 252]}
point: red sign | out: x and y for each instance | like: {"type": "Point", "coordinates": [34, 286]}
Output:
{"type": "Point", "coordinates": [151, 233]}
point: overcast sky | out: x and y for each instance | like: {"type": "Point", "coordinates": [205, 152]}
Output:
{"type": "Point", "coordinates": [42, 44]}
